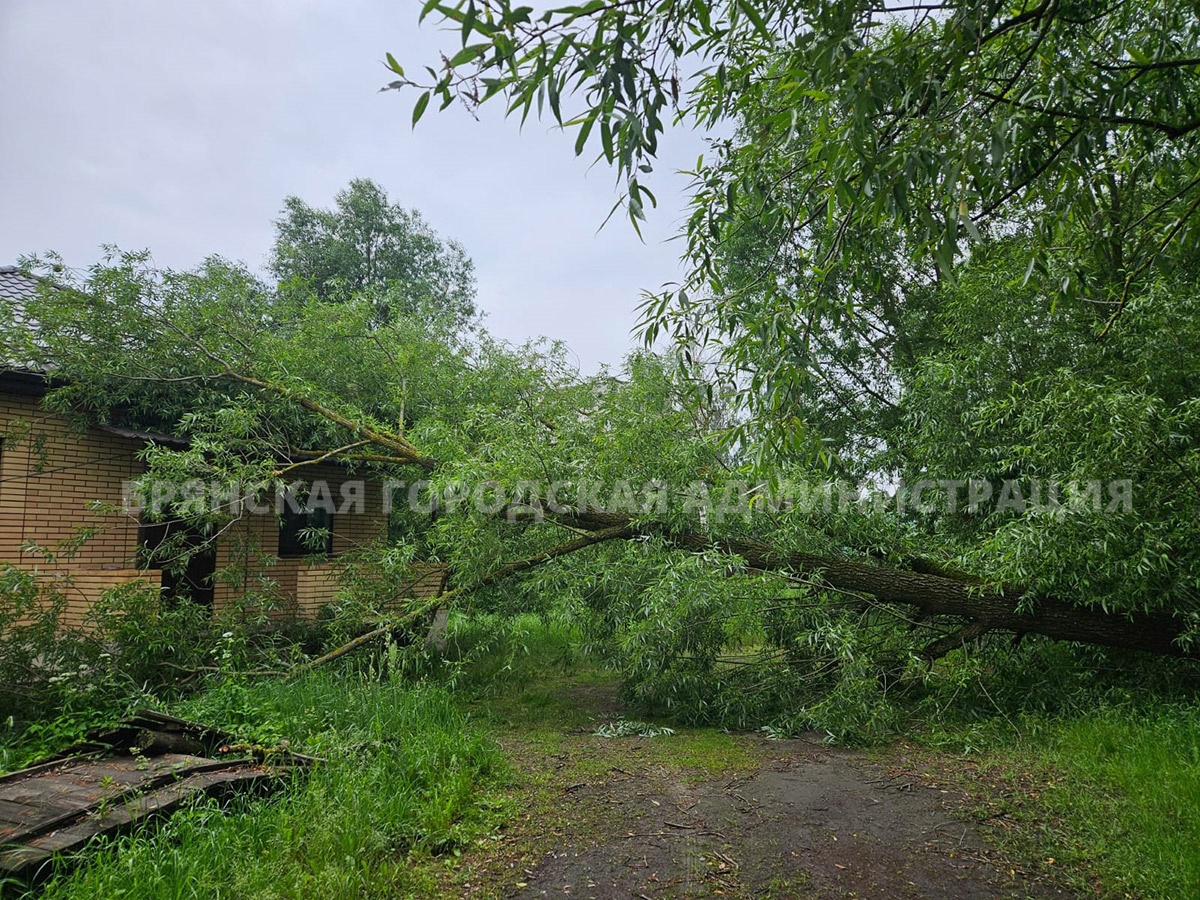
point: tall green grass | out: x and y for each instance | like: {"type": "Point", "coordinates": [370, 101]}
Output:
{"type": "Point", "coordinates": [1099, 751]}
{"type": "Point", "coordinates": [490, 653]}
{"type": "Point", "coordinates": [406, 776]}
{"type": "Point", "coordinates": [1124, 798]}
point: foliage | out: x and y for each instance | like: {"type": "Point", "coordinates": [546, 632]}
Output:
{"type": "Point", "coordinates": [1012, 386]}
{"type": "Point", "coordinates": [872, 145]}
{"type": "Point", "coordinates": [215, 351]}
{"type": "Point", "coordinates": [490, 443]}
{"type": "Point", "coordinates": [369, 246]}
{"type": "Point", "coordinates": [950, 242]}
{"type": "Point", "coordinates": [133, 648]}
{"type": "Point", "coordinates": [369, 579]}
{"type": "Point", "coordinates": [240, 374]}
{"type": "Point", "coordinates": [60, 679]}
{"type": "Point", "coordinates": [631, 728]}
{"type": "Point", "coordinates": [29, 619]}
{"type": "Point", "coordinates": [404, 777]}
{"type": "Point", "coordinates": [698, 642]}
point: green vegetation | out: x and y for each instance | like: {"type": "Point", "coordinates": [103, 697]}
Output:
{"type": "Point", "coordinates": [430, 757]}
{"type": "Point", "coordinates": [918, 455]}
{"type": "Point", "coordinates": [405, 777]}
{"type": "Point", "coordinates": [1120, 798]}
{"type": "Point", "coordinates": [367, 245]}
{"type": "Point", "coordinates": [862, 150]}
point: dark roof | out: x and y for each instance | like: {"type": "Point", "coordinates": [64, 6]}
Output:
{"type": "Point", "coordinates": [16, 286]}
{"type": "Point", "coordinates": [22, 382]}
{"type": "Point", "coordinates": [150, 437]}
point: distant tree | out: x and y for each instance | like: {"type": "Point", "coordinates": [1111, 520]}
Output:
{"type": "Point", "coordinates": [369, 245]}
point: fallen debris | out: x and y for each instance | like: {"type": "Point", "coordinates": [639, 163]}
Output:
{"type": "Point", "coordinates": [147, 766]}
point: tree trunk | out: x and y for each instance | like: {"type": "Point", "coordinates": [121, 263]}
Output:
{"type": "Point", "coordinates": [993, 609]}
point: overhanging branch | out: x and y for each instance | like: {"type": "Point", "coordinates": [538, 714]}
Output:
{"type": "Point", "coordinates": [498, 574]}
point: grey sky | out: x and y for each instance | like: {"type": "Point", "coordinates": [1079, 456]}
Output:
{"type": "Point", "coordinates": [180, 127]}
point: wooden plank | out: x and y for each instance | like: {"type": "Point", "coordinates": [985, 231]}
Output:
{"type": "Point", "coordinates": [62, 803]}
{"type": "Point", "coordinates": [13, 812]}
{"type": "Point", "coordinates": [23, 813]}
{"type": "Point", "coordinates": [100, 785]}
{"type": "Point", "coordinates": [121, 817]}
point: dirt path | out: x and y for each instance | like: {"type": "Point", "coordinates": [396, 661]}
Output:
{"type": "Point", "coordinates": [706, 814]}
{"type": "Point", "coordinates": [810, 822]}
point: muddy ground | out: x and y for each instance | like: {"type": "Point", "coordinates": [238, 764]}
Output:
{"type": "Point", "coordinates": [707, 814]}
{"type": "Point", "coordinates": [809, 822]}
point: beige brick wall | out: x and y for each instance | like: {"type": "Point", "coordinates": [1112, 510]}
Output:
{"type": "Point", "coordinates": [50, 474]}
{"type": "Point", "coordinates": [49, 477]}
{"type": "Point", "coordinates": [310, 586]}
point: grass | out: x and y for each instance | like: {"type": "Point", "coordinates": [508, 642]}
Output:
{"type": "Point", "coordinates": [1094, 755]}
{"type": "Point", "coordinates": [1115, 799]}
{"type": "Point", "coordinates": [543, 699]}
{"type": "Point", "coordinates": [526, 678]}
{"type": "Point", "coordinates": [416, 775]}
{"type": "Point", "coordinates": [407, 778]}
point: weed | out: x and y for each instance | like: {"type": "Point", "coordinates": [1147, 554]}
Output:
{"type": "Point", "coordinates": [405, 777]}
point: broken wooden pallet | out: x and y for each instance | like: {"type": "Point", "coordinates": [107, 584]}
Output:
{"type": "Point", "coordinates": [149, 765]}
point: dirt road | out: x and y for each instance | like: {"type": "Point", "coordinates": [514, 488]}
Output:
{"type": "Point", "coordinates": [811, 821]}
{"type": "Point", "coordinates": [702, 813]}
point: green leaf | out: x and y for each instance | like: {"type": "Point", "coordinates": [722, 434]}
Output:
{"type": "Point", "coordinates": [468, 20]}
{"type": "Point", "coordinates": [751, 12]}
{"type": "Point", "coordinates": [431, 6]}
{"type": "Point", "coordinates": [468, 54]}
{"type": "Point", "coordinates": [585, 129]}
{"type": "Point", "coordinates": [419, 108]}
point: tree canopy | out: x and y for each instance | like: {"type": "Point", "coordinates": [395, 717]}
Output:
{"type": "Point", "coordinates": [947, 245]}
{"type": "Point", "coordinates": [367, 244]}
{"type": "Point", "coordinates": [864, 148]}
{"type": "Point", "coordinates": [608, 498]}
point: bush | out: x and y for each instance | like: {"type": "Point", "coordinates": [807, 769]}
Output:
{"type": "Point", "coordinates": [135, 648]}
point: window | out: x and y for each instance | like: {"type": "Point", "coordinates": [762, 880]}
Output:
{"type": "Point", "coordinates": [150, 537]}
{"type": "Point", "coordinates": [187, 561]}
{"type": "Point", "coordinates": [305, 531]}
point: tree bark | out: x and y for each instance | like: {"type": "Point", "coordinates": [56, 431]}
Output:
{"type": "Point", "coordinates": [993, 609]}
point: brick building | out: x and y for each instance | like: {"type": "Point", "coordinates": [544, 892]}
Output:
{"type": "Point", "coordinates": [57, 481]}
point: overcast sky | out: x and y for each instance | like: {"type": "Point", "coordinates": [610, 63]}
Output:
{"type": "Point", "coordinates": [181, 126]}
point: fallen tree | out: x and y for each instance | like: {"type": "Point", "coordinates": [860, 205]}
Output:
{"type": "Point", "coordinates": [981, 608]}
{"type": "Point", "coordinates": [257, 393]}
{"type": "Point", "coordinates": [984, 608]}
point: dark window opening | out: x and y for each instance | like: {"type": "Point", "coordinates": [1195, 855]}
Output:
{"type": "Point", "coordinates": [305, 532]}
{"type": "Point", "coordinates": [187, 561]}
